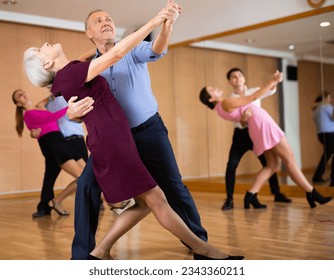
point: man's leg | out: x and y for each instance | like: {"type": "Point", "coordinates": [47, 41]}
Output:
{"type": "Point", "coordinates": [51, 173]}
{"type": "Point", "coordinates": [157, 154]}
{"type": "Point", "coordinates": [241, 143]}
{"type": "Point", "coordinates": [86, 214]}
{"type": "Point", "coordinates": [321, 168]}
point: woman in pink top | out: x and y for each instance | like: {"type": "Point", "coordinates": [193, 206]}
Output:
{"type": "Point", "coordinates": [267, 138]}
{"type": "Point", "coordinates": [50, 139]}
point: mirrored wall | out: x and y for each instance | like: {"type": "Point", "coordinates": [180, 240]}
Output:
{"type": "Point", "coordinates": [299, 47]}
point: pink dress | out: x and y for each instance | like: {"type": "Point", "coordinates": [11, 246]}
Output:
{"type": "Point", "coordinates": [263, 130]}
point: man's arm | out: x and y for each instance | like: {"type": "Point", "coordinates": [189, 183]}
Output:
{"type": "Point", "coordinates": [161, 42]}
{"type": "Point", "coordinates": [229, 104]}
{"type": "Point", "coordinates": [245, 116]}
{"type": "Point", "coordinates": [76, 110]}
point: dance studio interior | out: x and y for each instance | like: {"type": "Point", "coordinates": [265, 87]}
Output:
{"type": "Point", "coordinates": [208, 39]}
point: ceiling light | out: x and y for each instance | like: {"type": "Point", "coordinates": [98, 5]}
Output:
{"type": "Point", "coordinates": [9, 2]}
{"type": "Point", "coordinates": [291, 47]}
{"type": "Point", "coordinates": [250, 41]}
{"type": "Point", "coordinates": [325, 24]}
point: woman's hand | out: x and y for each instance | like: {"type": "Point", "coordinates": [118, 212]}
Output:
{"type": "Point", "coordinates": [168, 13]}
{"type": "Point", "coordinates": [278, 77]}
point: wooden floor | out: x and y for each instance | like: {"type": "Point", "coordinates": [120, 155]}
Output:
{"type": "Point", "coordinates": [280, 232]}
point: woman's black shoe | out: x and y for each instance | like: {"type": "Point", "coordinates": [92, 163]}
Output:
{"type": "Point", "coordinates": [251, 198]}
{"type": "Point", "coordinates": [314, 196]}
{"type": "Point", "coordinates": [200, 257]}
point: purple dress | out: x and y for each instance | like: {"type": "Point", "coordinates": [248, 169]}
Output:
{"type": "Point", "coordinates": [116, 163]}
{"type": "Point", "coordinates": [263, 130]}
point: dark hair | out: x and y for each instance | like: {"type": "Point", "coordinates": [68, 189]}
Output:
{"type": "Point", "coordinates": [204, 96]}
{"type": "Point", "coordinates": [320, 97]}
{"type": "Point", "coordinates": [235, 69]}
{"type": "Point", "coordinates": [19, 125]}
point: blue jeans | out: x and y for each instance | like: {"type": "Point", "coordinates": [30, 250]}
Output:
{"type": "Point", "coordinates": [157, 155]}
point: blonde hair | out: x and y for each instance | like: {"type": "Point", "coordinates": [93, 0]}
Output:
{"type": "Point", "coordinates": [33, 67]}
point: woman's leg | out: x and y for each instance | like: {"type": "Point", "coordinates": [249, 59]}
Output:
{"type": "Point", "coordinates": [156, 201]}
{"type": "Point", "coordinates": [272, 164]}
{"type": "Point", "coordinates": [122, 224]}
{"type": "Point", "coordinates": [283, 150]}
{"type": "Point", "coordinates": [73, 168]}
{"type": "Point", "coordinates": [70, 189]}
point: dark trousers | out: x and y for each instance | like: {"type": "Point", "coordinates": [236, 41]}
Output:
{"type": "Point", "coordinates": [242, 143]}
{"type": "Point", "coordinates": [327, 140]}
{"type": "Point", "coordinates": [157, 154]}
{"type": "Point", "coordinates": [52, 170]}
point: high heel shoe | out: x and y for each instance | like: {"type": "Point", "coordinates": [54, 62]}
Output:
{"type": "Point", "coordinates": [59, 209]}
{"type": "Point", "coordinates": [314, 196]}
{"type": "Point", "coordinates": [251, 198]}
{"type": "Point", "coordinates": [201, 257]}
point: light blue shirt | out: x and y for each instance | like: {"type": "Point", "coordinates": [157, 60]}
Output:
{"type": "Point", "coordinates": [130, 83]}
{"type": "Point", "coordinates": [323, 117]}
{"type": "Point", "coordinates": [66, 126]}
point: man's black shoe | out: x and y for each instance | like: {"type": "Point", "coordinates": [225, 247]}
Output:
{"type": "Point", "coordinates": [228, 204]}
{"type": "Point", "coordinates": [41, 213]}
{"type": "Point", "coordinates": [319, 180]}
{"type": "Point", "coordinates": [282, 198]}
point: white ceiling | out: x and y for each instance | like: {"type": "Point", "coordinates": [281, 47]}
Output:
{"type": "Point", "coordinates": [200, 19]}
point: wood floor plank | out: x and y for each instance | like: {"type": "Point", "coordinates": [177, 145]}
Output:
{"type": "Point", "coordinates": [280, 232]}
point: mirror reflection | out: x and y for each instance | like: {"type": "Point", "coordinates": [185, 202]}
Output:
{"type": "Point", "coordinates": [306, 55]}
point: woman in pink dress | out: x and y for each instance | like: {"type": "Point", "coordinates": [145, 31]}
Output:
{"type": "Point", "coordinates": [51, 141]}
{"type": "Point", "coordinates": [116, 162]}
{"type": "Point", "coordinates": [267, 138]}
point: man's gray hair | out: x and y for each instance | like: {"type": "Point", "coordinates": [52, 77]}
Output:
{"type": "Point", "coordinates": [87, 18]}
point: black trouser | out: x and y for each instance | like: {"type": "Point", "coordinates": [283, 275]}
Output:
{"type": "Point", "coordinates": [242, 143]}
{"type": "Point", "coordinates": [157, 155]}
{"type": "Point", "coordinates": [52, 170]}
{"type": "Point", "coordinates": [327, 140]}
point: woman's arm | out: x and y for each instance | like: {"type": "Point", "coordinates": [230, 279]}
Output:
{"type": "Point", "coordinates": [42, 104]}
{"type": "Point", "coordinates": [230, 104]}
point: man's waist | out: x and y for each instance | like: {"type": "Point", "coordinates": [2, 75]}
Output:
{"type": "Point", "coordinates": [147, 123]}
{"type": "Point", "coordinates": [71, 137]}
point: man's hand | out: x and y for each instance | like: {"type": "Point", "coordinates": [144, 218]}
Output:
{"type": "Point", "coordinates": [173, 11]}
{"type": "Point", "coordinates": [34, 133]}
{"type": "Point", "coordinates": [76, 110]}
{"type": "Point", "coordinates": [245, 116]}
